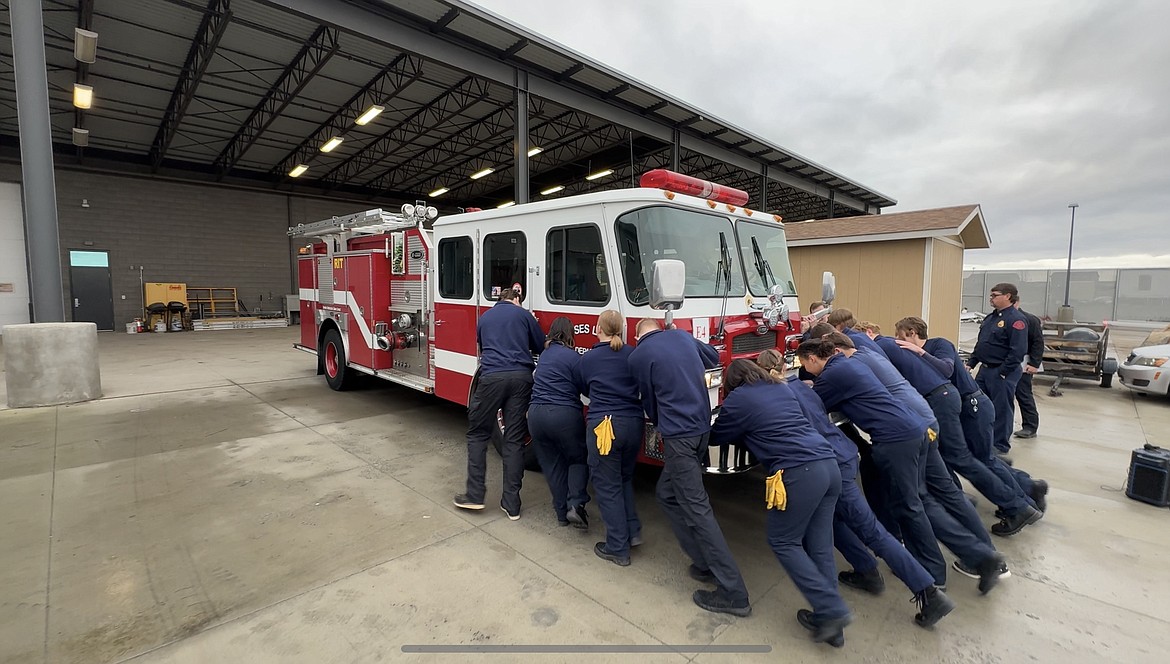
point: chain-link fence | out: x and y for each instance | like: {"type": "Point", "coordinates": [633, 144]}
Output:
{"type": "Point", "coordinates": [1095, 295]}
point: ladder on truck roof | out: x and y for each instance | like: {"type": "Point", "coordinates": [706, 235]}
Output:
{"type": "Point", "coordinates": [370, 222]}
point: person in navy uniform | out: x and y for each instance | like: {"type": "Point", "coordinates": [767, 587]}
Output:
{"type": "Point", "coordinates": [557, 424]}
{"type": "Point", "coordinates": [604, 376]}
{"type": "Point", "coordinates": [855, 527]}
{"type": "Point", "coordinates": [999, 352]}
{"type": "Point", "coordinates": [766, 416]}
{"type": "Point", "coordinates": [669, 366]}
{"type": "Point", "coordinates": [1029, 415]}
{"type": "Point", "coordinates": [508, 336]}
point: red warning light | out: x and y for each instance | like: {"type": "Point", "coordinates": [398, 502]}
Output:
{"type": "Point", "coordinates": [660, 178]}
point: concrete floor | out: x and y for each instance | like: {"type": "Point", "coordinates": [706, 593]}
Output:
{"type": "Point", "coordinates": [220, 503]}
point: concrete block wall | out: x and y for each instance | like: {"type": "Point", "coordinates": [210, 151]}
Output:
{"type": "Point", "coordinates": [200, 235]}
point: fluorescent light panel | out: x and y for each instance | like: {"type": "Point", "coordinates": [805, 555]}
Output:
{"type": "Point", "coordinates": [508, 204]}
{"type": "Point", "coordinates": [484, 173]}
{"type": "Point", "coordinates": [298, 171]}
{"type": "Point", "coordinates": [330, 144]}
{"type": "Point", "coordinates": [438, 192]}
{"type": "Point", "coordinates": [82, 96]}
{"type": "Point", "coordinates": [599, 174]}
{"type": "Point", "coordinates": [552, 190]}
{"type": "Point", "coordinates": [371, 113]}
{"type": "Point", "coordinates": [535, 151]}
{"type": "Point", "coordinates": [84, 45]}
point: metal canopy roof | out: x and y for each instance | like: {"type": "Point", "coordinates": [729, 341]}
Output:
{"type": "Point", "coordinates": [241, 91]}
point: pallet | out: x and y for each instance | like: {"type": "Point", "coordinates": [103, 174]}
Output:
{"type": "Point", "coordinates": [239, 323]}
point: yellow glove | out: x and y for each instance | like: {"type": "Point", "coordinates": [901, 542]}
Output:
{"type": "Point", "coordinates": [604, 433]}
{"type": "Point", "coordinates": [775, 493]}
{"type": "Point", "coordinates": [931, 435]}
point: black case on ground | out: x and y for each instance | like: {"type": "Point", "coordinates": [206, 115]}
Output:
{"type": "Point", "coordinates": [1149, 476]}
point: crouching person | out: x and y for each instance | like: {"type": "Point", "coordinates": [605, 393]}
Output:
{"type": "Point", "coordinates": [802, 489]}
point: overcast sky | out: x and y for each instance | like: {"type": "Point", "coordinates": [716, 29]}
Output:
{"type": "Point", "coordinates": [1021, 107]}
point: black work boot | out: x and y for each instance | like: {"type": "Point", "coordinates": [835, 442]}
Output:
{"type": "Point", "coordinates": [578, 517]}
{"type": "Point", "coordinates": [806, 620]}
{"type": "Point", "coordinates": [870, 582]}
{"type": "Point", "coordinates": [718, 602]}
{"type": "Point", "coordinates": [1039, 494]}
{"type": "Point", "coordinates": [933, 605]}
{"type": "Point", "coordinates": [989, 572]}
{"type": "Point", "coordinates": [1010, 525]}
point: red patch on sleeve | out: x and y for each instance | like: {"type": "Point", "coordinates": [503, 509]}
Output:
{"type": "Point", "coordinates": [1019, 325]}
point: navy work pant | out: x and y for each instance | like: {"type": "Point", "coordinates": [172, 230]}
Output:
{"type": "Point", "coordinates": [1027, 401]}
{"type": "Point", "coordinates": [558, 432]}
{"type": "Point", "coordinates": [952, 445]}
{"type": "Point", "coordinates": [684, 500]}
{"type": "Point", "coordinates": [903, 467]}
{"type": "Point", "coordinates": [855, 528]}
{"type": "Point", "coordinates": [978, 418]}
{"type": "Point", "coordinates": [613, 480]}
{"type": "Point", "coordinates": [954, 520]}
{"type": "Point", "coordinates": [510, 391]}
{"type": "Point", "coordinates": [1002, 392]}
{"type": "Point", "coordinates": [801, 535]}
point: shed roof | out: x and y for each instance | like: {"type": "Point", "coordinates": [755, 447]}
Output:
{"type": "Point", "coordinates": [961, 222]}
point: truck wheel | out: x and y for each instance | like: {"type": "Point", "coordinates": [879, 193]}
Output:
{"type": "Point", "coordinates": [530, 460]}
{"type": "Point", "coordinates": [332, 353]}
{"type": "Point", "coordinates": [1107, 380]}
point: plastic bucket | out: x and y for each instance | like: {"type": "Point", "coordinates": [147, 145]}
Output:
{"type": "Point", "coordinates": [131, 328]}
{"type": "Point", "coordinates": [160, 326]}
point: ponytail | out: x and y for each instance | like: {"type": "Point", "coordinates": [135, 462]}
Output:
{"type": "Point", "coordinates": [615, 344]}
{"type": "Point", "coordinates": [610, 323]}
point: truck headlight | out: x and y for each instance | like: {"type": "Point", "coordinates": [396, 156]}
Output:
{"type": "Point", "coordinates": [1149, 361]}
{"type": "Point", "coordinates": [713, 378]}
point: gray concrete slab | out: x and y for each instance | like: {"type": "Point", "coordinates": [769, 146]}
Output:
{"type": "Point", "coordinates": [221, 504]}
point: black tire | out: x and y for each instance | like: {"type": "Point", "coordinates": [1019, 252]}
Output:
{"type": "Point", "coordinates": [530, 460]}
{"type": "Point", "coordinates": [331, 353]}
{"type": "Point", "coordinates": [1107, 380]}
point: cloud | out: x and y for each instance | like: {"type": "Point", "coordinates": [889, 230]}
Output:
{"type": "Point", "coordinates": [1021, 107]}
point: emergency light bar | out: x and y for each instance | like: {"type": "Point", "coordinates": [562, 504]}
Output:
{"type": "Point", "coordinates": [660, 178]}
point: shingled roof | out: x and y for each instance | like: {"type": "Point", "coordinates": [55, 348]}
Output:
{"type": "Point", "coordinates": [961, 222]}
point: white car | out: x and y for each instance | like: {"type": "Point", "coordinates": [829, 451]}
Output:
{"type": "Point", "coordinates": [1147, 369]}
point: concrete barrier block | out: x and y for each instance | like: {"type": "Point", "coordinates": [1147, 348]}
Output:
{"type": "Point", "coordinates": [46, 364]}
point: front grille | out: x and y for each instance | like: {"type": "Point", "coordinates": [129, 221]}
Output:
{"type": "Point", "coordinates": [750, 342]}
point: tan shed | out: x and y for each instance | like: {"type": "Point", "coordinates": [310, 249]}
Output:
{"type": "Point", "coordinates": [891, 265]}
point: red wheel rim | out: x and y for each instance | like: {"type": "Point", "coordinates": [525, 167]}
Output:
{"type": "Point", "coordinates": [331, 360]}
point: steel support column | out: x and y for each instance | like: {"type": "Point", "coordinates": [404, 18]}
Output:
{"type": "Point", "coordinates": [832, 203]}
{"type": "Point", "coordinates": [764, 189]}
{"type": "Point", "coordinates": [675, 149]}
{"type": "Point", "coordinates": [520, 151]}
{"type": "Point", "coordinates": [36, 160]}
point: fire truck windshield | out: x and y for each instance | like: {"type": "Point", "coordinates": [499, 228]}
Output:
{"type": "Point", "coordinates": [764, 253]}
{"type": "Point", "coordinates": [650, 233]}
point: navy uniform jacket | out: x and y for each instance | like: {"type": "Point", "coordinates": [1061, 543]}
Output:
{"type": "Point", "coordinates": [1035, 338]}
{"type": "Point", "coordinates": [668, 366]}
{"type": "Point", "coordinates": [894, 382]}
{"type": "Point", "coordinates": [861, 339]}
{"type": "Point", "coordinates": [959, 376]}
{"type": "Point", "coordinates": [768, 419]}
{"type": "Point", "coordinates": [554, 383]}
{"type": "Point", "coordinates": [508, 337]}
{"type": "Point", "coordinates": [921, 375]}
{"type": "Point", "coordinates": [1003, 341]}
{"type": "Point", "coordinates": [849, 386]}
{"type": "Point", "coordinates": [814, 410]}
{"type": "Point", "coordinates": [604, 376]}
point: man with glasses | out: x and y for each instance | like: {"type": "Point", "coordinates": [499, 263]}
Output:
{"type": "Point", "coordinates": [999, 352]}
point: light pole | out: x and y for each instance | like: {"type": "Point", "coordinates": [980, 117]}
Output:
{"type": "Point", "coordinates": [1066, 312]}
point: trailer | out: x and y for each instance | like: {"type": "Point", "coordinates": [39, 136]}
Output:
{"type": "Point", "coordinates": [1077, 350]}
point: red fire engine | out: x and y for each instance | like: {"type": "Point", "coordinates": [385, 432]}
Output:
{"type": "Point", "coordinates": [398, 296]}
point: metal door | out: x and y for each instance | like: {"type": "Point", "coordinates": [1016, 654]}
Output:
{"type": "Point", "coordinates": [91, 289]}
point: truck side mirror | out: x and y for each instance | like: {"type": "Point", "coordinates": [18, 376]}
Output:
{"type": "Point", "coordinates": [668, 280]}
{"type": "Point", "coordinates": [828, 288]}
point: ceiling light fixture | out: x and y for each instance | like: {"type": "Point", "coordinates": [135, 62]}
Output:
{"type": "Point", "coordinates": [551, 190]}
{"type": "Point", "coordinates": [331, 143]}
{"type": "Point", "coordinates": [82, 96]}
{"type": "Point", "coordinates": [371, 113]}
{"type": "Point", "coordinates": [535, 151]}
{"type": "Point", "coordinates": [298, 171]}
{"type": "Point", "coordinates": [84, 45]}
{"type": "Point", "coordinates": [599, 174]}
{"type": "Point", "coordinates": [80, 137]}
{"type": "Point", "coordinates": [438, 192]}
{"type": "Point", "coordinates": [484, 173]}
{"type": "Point", "coordinates": [504, 205]}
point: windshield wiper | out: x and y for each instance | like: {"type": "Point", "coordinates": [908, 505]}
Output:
{"type": "Point", "coordinates": [762, 266]}
{"type": "Point", "coordinates": [725, 272]}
